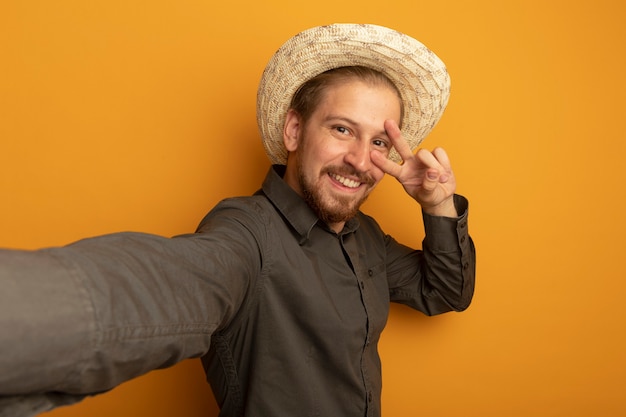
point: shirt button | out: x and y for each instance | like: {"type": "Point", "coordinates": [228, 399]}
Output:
{"type": "Point", "coordinates": [369, 396]}
{"type": "Point", "coordinates": [463, 224]}
{"type": "Point", "coordinates": [362, 285]}
{"type": "Point", "coordinates": [370, 272]}
{"type": "Point", "coordinates": [462, 239]}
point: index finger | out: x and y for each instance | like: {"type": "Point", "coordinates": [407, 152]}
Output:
{"type": "Point", "coordinates": [401, 146]}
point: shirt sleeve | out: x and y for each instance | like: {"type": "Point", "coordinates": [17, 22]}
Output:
{"type": "Point", "coordinates": [440, 277]}
{"type": "Point", "coordinates": [83, 318]}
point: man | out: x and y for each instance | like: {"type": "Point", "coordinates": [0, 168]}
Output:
{"type": "Point", "coordinates": [283, 294]}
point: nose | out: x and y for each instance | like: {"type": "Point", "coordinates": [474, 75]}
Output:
{"type": "Point", "coordinates": [358, 155]}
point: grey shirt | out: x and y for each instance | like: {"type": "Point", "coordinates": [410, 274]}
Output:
{"type": "Point", "coordinates": [285, 313]}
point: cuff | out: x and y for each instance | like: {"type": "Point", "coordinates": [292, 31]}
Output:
{"type": "Point", "coordinates": [446, 234]}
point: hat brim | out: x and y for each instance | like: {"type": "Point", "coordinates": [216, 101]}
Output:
{"type": "Point", "coordinates": [420, 76]}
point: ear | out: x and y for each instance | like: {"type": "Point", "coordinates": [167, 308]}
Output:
{"type": "Point", "coordinates": [291, 130]}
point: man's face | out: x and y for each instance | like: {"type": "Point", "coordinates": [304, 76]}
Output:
{"type": "Point", "coordinates": [329, 161]}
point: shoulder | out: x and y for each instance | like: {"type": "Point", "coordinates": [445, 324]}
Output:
{"type": "Point", "coordinates": [251, 212]}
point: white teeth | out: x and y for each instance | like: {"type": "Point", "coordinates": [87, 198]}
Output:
{"type": "Point", "coordinates": [346, 181]}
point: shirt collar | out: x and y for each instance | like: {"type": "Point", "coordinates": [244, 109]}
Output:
{"type": "Point", "coordinates": [293, 208]}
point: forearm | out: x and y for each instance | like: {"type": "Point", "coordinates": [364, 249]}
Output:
{"type": "Point", "coordinates": [450, 257]}
{"type": "Point", "coordinates": [44, 314]}
{"type": "Point", "coordinates": [440, 277]}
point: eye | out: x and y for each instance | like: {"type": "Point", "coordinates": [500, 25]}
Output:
{"type": "Point", "coordinates": [343, 130]}
{"type": "Point", "coordinates": [379, 143]}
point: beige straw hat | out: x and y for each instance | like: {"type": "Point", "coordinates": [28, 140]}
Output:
{"type": "Point", "coordinates": [419, 75]}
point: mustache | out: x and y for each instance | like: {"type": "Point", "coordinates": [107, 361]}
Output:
{"type": "Point", "coordinates": [350, 172]}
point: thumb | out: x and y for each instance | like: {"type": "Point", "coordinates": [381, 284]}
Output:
{"type": "Point", "coordinates": [386, 165]}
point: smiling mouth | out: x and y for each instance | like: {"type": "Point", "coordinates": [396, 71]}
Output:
{"type": "Point", "coordinates": [346, 182]}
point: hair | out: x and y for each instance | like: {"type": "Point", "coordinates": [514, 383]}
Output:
{"type": "Point", "coordinates": [308, 96]}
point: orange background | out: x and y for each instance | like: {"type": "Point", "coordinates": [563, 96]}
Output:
{"type": "Point", "coordinates": [139, 115]}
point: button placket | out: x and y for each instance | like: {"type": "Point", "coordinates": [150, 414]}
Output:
{"type": "Point", "coordinates": [363, 277]}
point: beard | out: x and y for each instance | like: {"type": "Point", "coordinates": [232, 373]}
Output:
{"type": "Point", "coordinates": [333, 208]}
